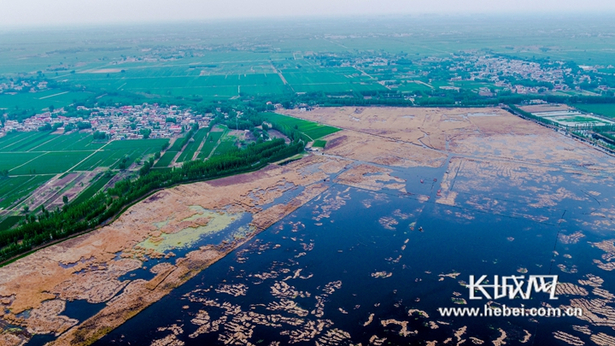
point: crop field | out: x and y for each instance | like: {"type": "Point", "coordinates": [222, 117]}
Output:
{"type": "Point", "coordinates": [28, 142]}
{"type": "Point", "coordinates": [24, 143]}
{"type": "Point", "coordinates": [12, 139]}
{"type": "Point", "coordinates": [33, 158]}
{"type": "Point", "coordinates": [185, 80]}
{"type": "Point", "coordinates": [166, 159]}
{"type": "Point", "coordinates": [111, 154]}
{"type": "Point", "coordinates": [604, 109]}
{"type": "Point", "coordinates": [52, 162]}
{"type": "Point", "coordinates": [319, 143]}
{"type": "Point", "coordinates": [227, 144]}
{"type": "Point", "coordinates": [311, 129]}
{"type": "Point", "coordinates": [178, 144]}
{"type": "Point", "coordinates": [42, 100]}
{"type": "Point", "coordinates": [100, 181]}
{"type": "Point", "coordinates": [9, 161]}
{"type": "Point", "coordinates": [317, 79]}
{"type": "Point", "coordinates": [210, 143]}
{"type": "Point", "coordinates": [193, 145]}
{"type": "Point", "coordinates": [14, 188]}
{"type": "Point", "coordinates": [9, 222]}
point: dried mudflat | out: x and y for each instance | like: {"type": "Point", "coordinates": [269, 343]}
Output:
{"type": "Point", "coordinates": [479, 147]}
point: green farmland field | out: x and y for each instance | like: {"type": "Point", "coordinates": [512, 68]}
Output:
{"type": "Point", "coordinates": [52, 162]}
{"type": "Point", "coordinates": [11, 160]}
{"type": "Point", "coordinates": [193, 145]}
{"type": "Point", "coordinates": [225, 146]}
{"type": "Point", "coordinates": [311, 129]}
{"type": "Point", "coordinates": [101, 181]}
{"type": "Point", "coordinates": [210, 143]}
{"type": "Point", "coordinates": [605, 109]}
{"type": "Point", "coordinates": [111, 154]}
{"type": "Point", "coordinates": [14, 188]}
{"type": "Point", "coordinates": [319, 143]}
{"type": "Point", "coordinates": [33, 158]}
{"type": "Point", "coordinates": [166, 159]}
{"type": "Point", "coordinates": [9, 222]}
{"type": "Point", "coordinates": [41, 100]}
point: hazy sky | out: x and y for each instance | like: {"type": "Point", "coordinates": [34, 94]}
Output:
{"type": "Point", "coordinates": [57, 12]}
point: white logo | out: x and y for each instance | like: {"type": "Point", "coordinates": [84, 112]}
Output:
{"type": "Point", "coordinates": [513, 286]}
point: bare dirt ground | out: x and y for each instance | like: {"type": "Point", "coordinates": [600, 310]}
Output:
{"type": "Point", "coordinates": [546, 108]}
{"type": "Point", "coordinates": [485, 143]}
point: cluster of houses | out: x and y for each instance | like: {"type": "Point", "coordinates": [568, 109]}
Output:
{"type": "Point", "coordinates": [9, 86]}
{"type": "Point", "coordinates": [126, 122]}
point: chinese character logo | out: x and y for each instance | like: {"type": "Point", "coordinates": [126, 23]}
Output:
{"type": "Point", "coordinates": [512, 286]}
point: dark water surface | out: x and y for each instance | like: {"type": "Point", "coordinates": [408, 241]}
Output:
{"type": "Point", "coordinates": [352, 245]}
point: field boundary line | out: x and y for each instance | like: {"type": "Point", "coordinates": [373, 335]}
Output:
{"type": "Point", "coordinates": [32, 150]}
{"type": "Point", "coordinates": [13, 143]}
{"type": "Point", "coordinates": [50, 96]}
{"type": "Point", "coordinates": [87, 157]}
{"type": "Point", "coordinates": [25, 163]}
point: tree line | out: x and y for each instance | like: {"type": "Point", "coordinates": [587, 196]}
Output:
{"type": "Point", "coordinates": [73, 218]}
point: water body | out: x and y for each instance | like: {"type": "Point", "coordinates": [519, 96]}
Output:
{"type": "Point", "coordinates": [353, 245]}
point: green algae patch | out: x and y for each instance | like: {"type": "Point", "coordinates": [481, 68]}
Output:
{"type": "Point", "coordinates": [205, 222]}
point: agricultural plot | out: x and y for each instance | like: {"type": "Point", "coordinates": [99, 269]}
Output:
{"type": "Point", "coordinates": [227, 144]}
{"type": "Point", "coordinates": [69, 142]}
{"type": "Point", "coordinates": [166, 159]}
{"type": "Point", "coordinates": [210, 144]}
{"type": "Point", "coordinates": [44, 141]}
{"type": "Point", "coordinates": [29, 142]}
{"type": "Point", "coordinates": [573, 118]}
{"type": "Point", "coordinates": [52, 163]}
{"type": "Point", "coordinates": [193, 145]}
{"type": "Point", "coordinates": [13, 189]}
{"type": "Point", "coordinates": [9, 222]}
{"type": "Point", "coordinates": [10, 161]}
{"type": "Point", "coordinates": [58, 153]}
{"type": "Point", "coordinates": [341, 80]}
{"type": "Point", "coordinates": [311, 129]}
{"type": "Point", "coordinates": [319, 143]}
{"type": "Point", "coordinates": [413, 87]}
{"type": "Point", "coordinates": [205, 80]}
{"type": "Point", "coordinates": [604, 109]}
{"type": "Point", "coordinates": [34, 158]}
{"type": "Point", "coordinates": [14, 138]}
{"type": "Point", "coordinates": [42, 100]}
{"type": "Point", "coordinates": [100, 182]}
{"type": "Point", "coordinates": [112, 153]}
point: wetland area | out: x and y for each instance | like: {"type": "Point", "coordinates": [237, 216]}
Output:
{"type": "Point", "coordinates": [358, 243]}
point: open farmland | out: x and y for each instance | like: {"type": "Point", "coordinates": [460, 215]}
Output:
{"type": "Point", "coordinates": [193, 145]}
{"type": "Point", "coordinates": [182, 79]}
{"type": "Point", "coordinates": [311, 129]}
{"type": "Point", "coordinates": [166, 159]}
{"type": "Point", "coordinates": [15, 188]}
{"type": "Point", "coordinates": [43, 99]}
{"type": "Point", "coordinates": [604, 109]}
{"type": "Point", "coordinates": [52, 162]}
{"type": "Point", "coordinates": [227, 144]}
{"type": "Point", "coordinates": [114, 152]}
{"type": "Point", "coordinates": [570, 118]}
{"type": "Point", "coordinates": [65, 161]}
{"type": "Point", "coordinates": [98, 183]}
{"type": "Point", "coordinates": [211, 142]}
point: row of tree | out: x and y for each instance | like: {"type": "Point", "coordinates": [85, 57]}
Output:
{"type": "Point", "coordinates": [78, 217]}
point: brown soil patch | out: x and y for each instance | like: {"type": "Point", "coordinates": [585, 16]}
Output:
{"type": "Point", "coordinates": [546, 108]}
